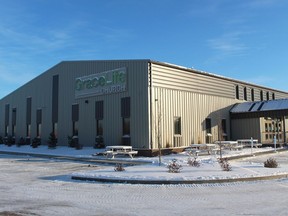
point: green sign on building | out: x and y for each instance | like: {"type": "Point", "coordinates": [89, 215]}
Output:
{"type": "Point", "coordinates": [107, 82]}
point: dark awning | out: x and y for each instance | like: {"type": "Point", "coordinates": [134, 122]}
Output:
{"type": "Point", "coordinates": [272, 108]}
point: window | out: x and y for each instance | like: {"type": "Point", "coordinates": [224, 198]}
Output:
{"type": "Point", "coordinates": [28, 130]}
{"type": "Point", "coordinates": [28, 116]}
{"type": "Point", "coordinates": [266, 127]}
{"type": "Point", "coordinates": [75, 128]}
{"type": "Point", "coordinates": [75, 119]}
{"type": "Point", "coordinates": [177, 125]}
{"type": "Point", "coordinates": [99, 115]}
{"type": "Point", "coordinates": [125, 107]}
{"type": "Point", "coordinates": [267, 95]}
{"type": "Point", "coordinates": [125, 114]}
{"type": "Point", "coordinates": [6, 130]}
{"type": "Point", "coordinates": [126, 126]}
{"type": "Point", "coordinates": [208, 125]}
{"type": "Point", "coordinates": [273, 96]}
{"type": "Point", "coordinates": [261, 95]}
{"type": "Point", "coordinates": [39, 122]}
{"type": "Point", "coordinates": [99, 126]}
{"type": "Point", "coordinates": [237, 92]}
{"type": "Point", "coordinates": [252, 95]}
{"type": "Point", "coordinates": [245, 93]}
{"type": "Point", "coordinates": [13, 121]}
{"type": "Point", "coordinates": [279, 129]}
{"type": "Point", "coordinates": [273, 127]}
{"type": "Point", "coordinates": [99, 110]}
{"type": "Point", "coordinates": [55, 129]}
{"type": "Point", "coordinates": [55, 98]}
{"type": "Point", "coordinates": [223, 125]}
{"type": "Point", "coordinates": [224, 129]}
{"type": "Point", "coordinates": [7, 109]}
{"type": "Point", "coordinates": [270, 127]}
{"type": "Point", "coordinates": [39, 130]}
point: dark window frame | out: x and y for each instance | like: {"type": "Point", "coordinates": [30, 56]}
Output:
{"type": "Point", "coordinates": [99, 127]}
{"type": "Point", "coordinates": [208, 125]}
{"type": "Point", "coordinates": [126, 125]}
{"type": "Point", "coordinates": [224, 126]}
{"type": "Point", "coordinates": [252, 95]}
{"type": "Point", "coordinates": [177, 125]}
{"type": "Point", "coordinates": [245, 93]}
{"type": "Point", "coordinates": [237, 92]}
{"type": "Point", "coordinates": [261, 95]}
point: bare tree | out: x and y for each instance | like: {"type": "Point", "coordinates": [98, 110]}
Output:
{"type": "Point", "coordinates": [158, 131]}
{"type": "Point", "coordinates": [220, 135]}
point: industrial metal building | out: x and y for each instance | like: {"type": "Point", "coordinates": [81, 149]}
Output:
{"type": "Point", "coordinates": [141, 103]}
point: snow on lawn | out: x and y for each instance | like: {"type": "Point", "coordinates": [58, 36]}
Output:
{"type": "Point", "coordinates": [208, 170]}
{"type": "Point", "coordinates": [58, 151]}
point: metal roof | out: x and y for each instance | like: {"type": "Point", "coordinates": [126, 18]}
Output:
{"type": "Point", "coordinates": [271, 105]}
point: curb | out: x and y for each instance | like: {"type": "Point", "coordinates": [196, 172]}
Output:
{"type": "Point", "coordinates": [163, 182]}
{"type": "Point", "coordinates": [81, 159]}
{"type": "Point", "coordinates": [255, 154]}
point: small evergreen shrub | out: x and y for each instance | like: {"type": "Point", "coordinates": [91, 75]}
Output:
{"type": "Point", "coordinates": [224, 163]}
{"type": "Point", "coordinates": [52, 140]}
{"type": "Point", "coordinates": [28, 140]}
{"type": "Point", "coordinates": [99, 142]}
{"type": "Point", "coordinates": [271, 163]}
{"type": "Point", "coordinates": [36, 142]}
{"type": "Point", "coordinates": [10, 140]}
{"type": "Point", "coordinates": [21, 142]}
{"type": "Point", "coordinates": [174, 166]}
{"type": "Point", "coordinates": [73, 142]}
{"type": "Point", "coordinates": [70, 142]}
{"type": "Point", "coordinates": [119, 167]}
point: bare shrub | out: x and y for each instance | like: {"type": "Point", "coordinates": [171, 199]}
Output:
{"type": "Point", "coordinates": [174, 166]}
{"type": "Point", "coordinates": [271, 163]}
{"type": "Point", "coordinates": [224, 163]}
{"type": "Point", "coordinates": [193, 162]}
{"type": "Point", "coordinates": [119, 167]}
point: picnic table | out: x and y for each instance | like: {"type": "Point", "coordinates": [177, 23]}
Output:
{"type": "Point", "coordinates": [119, 150]}
{"type": "Point", "coordinates": [247, 142]}
{"type": "Point", "coordinates": [232, 145]}
{"type": "Point", "coordinates": [209, 147]}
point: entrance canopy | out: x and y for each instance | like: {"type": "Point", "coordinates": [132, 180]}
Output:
{"type": "Point", "coordinates": [271, 108]}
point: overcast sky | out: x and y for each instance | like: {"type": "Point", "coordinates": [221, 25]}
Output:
{"type": "Point", "coordinates": [240, 39]}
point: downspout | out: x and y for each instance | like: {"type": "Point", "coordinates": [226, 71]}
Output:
{"type": "Point", "coordinates": [150, 104]}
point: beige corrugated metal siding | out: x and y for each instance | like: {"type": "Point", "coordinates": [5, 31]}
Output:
{"type": "Point", "coordinates": [182, 80]}
{"type": "Point", "coordinates": [193, 97]}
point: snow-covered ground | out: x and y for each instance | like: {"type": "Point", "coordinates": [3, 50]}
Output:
{"type": "Point", "coordinates": [208, 170]}
{"type": "Point", "coordinates": [42, 186]}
